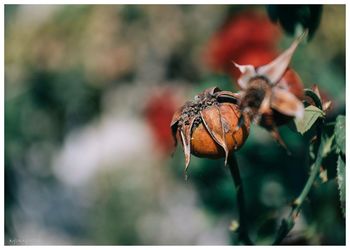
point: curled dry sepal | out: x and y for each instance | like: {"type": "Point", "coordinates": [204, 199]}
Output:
{"type": "Point", "coordinates": [271, 94]}
{"type": "Point", "coordinates": [207, 126]}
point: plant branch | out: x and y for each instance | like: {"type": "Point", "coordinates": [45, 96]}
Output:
{"type": "Point", "coordinates": [287, 224]}
{"type": "Point", "coordinates": [243, 231]}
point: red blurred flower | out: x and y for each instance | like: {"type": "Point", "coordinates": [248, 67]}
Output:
{"type": "Point", "coordinates": [159, 110]}
{"type": "Point", "coordinates": [248, 36]}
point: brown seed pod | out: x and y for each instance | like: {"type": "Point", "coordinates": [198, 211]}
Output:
{"type": "Point", "coordinates": [207, 126]}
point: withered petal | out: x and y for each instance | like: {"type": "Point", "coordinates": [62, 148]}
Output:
{"type": "Point", "coordinates": [185, 133]}
{"type": "Point", "coordinates": [275, 69]}
{"type": "Point", "coordinates": [211, 118]}
{"type": "Point", "coordinates": [186, 148]}
{"type": "Point", "coordinates": [247, 72]}
{"type": "Point", "coordinates": [173, 124]}
{"type": "Point", "coordinates": [287, 103]}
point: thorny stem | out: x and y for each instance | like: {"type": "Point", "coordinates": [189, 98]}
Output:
{"type": "Point", "coordinates": [288, 224]}
{"type": "Point", "coordinates": [243, 231]}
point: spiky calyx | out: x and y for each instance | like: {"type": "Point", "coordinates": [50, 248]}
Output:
{"type": "Point", "coordinates": [207, 126]}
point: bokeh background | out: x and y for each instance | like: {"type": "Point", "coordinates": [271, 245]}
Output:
{"type": "Point", "coordinates": [89, 94]}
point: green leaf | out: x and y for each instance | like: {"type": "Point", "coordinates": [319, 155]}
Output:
{"type": "Point", "coordinates": [311, 114]}
{"type": "Point", "coordinates": [340, 133]}
{"type": "Point", "coordinates": [341, 182]}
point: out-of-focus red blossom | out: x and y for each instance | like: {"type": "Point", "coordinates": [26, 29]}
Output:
{"type": "Point", "coordinates": [248, 36]}
{"type": "Point", "coordinates": [158, 113]}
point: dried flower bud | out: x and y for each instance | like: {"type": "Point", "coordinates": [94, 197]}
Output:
{"type": "Point", "coordinates": [272, 93]}
{"type": "Point", "coordinates": [207, 126]}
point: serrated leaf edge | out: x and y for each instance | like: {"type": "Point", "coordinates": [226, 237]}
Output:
{"type": "Point", "coordinates": [341, 184]}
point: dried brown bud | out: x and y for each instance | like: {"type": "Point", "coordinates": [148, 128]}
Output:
{"type": "Point", "coordinates": [272, 93]}
{"type": "Point", "coordinates": [207, 126]}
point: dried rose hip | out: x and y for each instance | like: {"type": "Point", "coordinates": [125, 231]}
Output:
{"type": "Point", "coordinates": [207, 126]}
